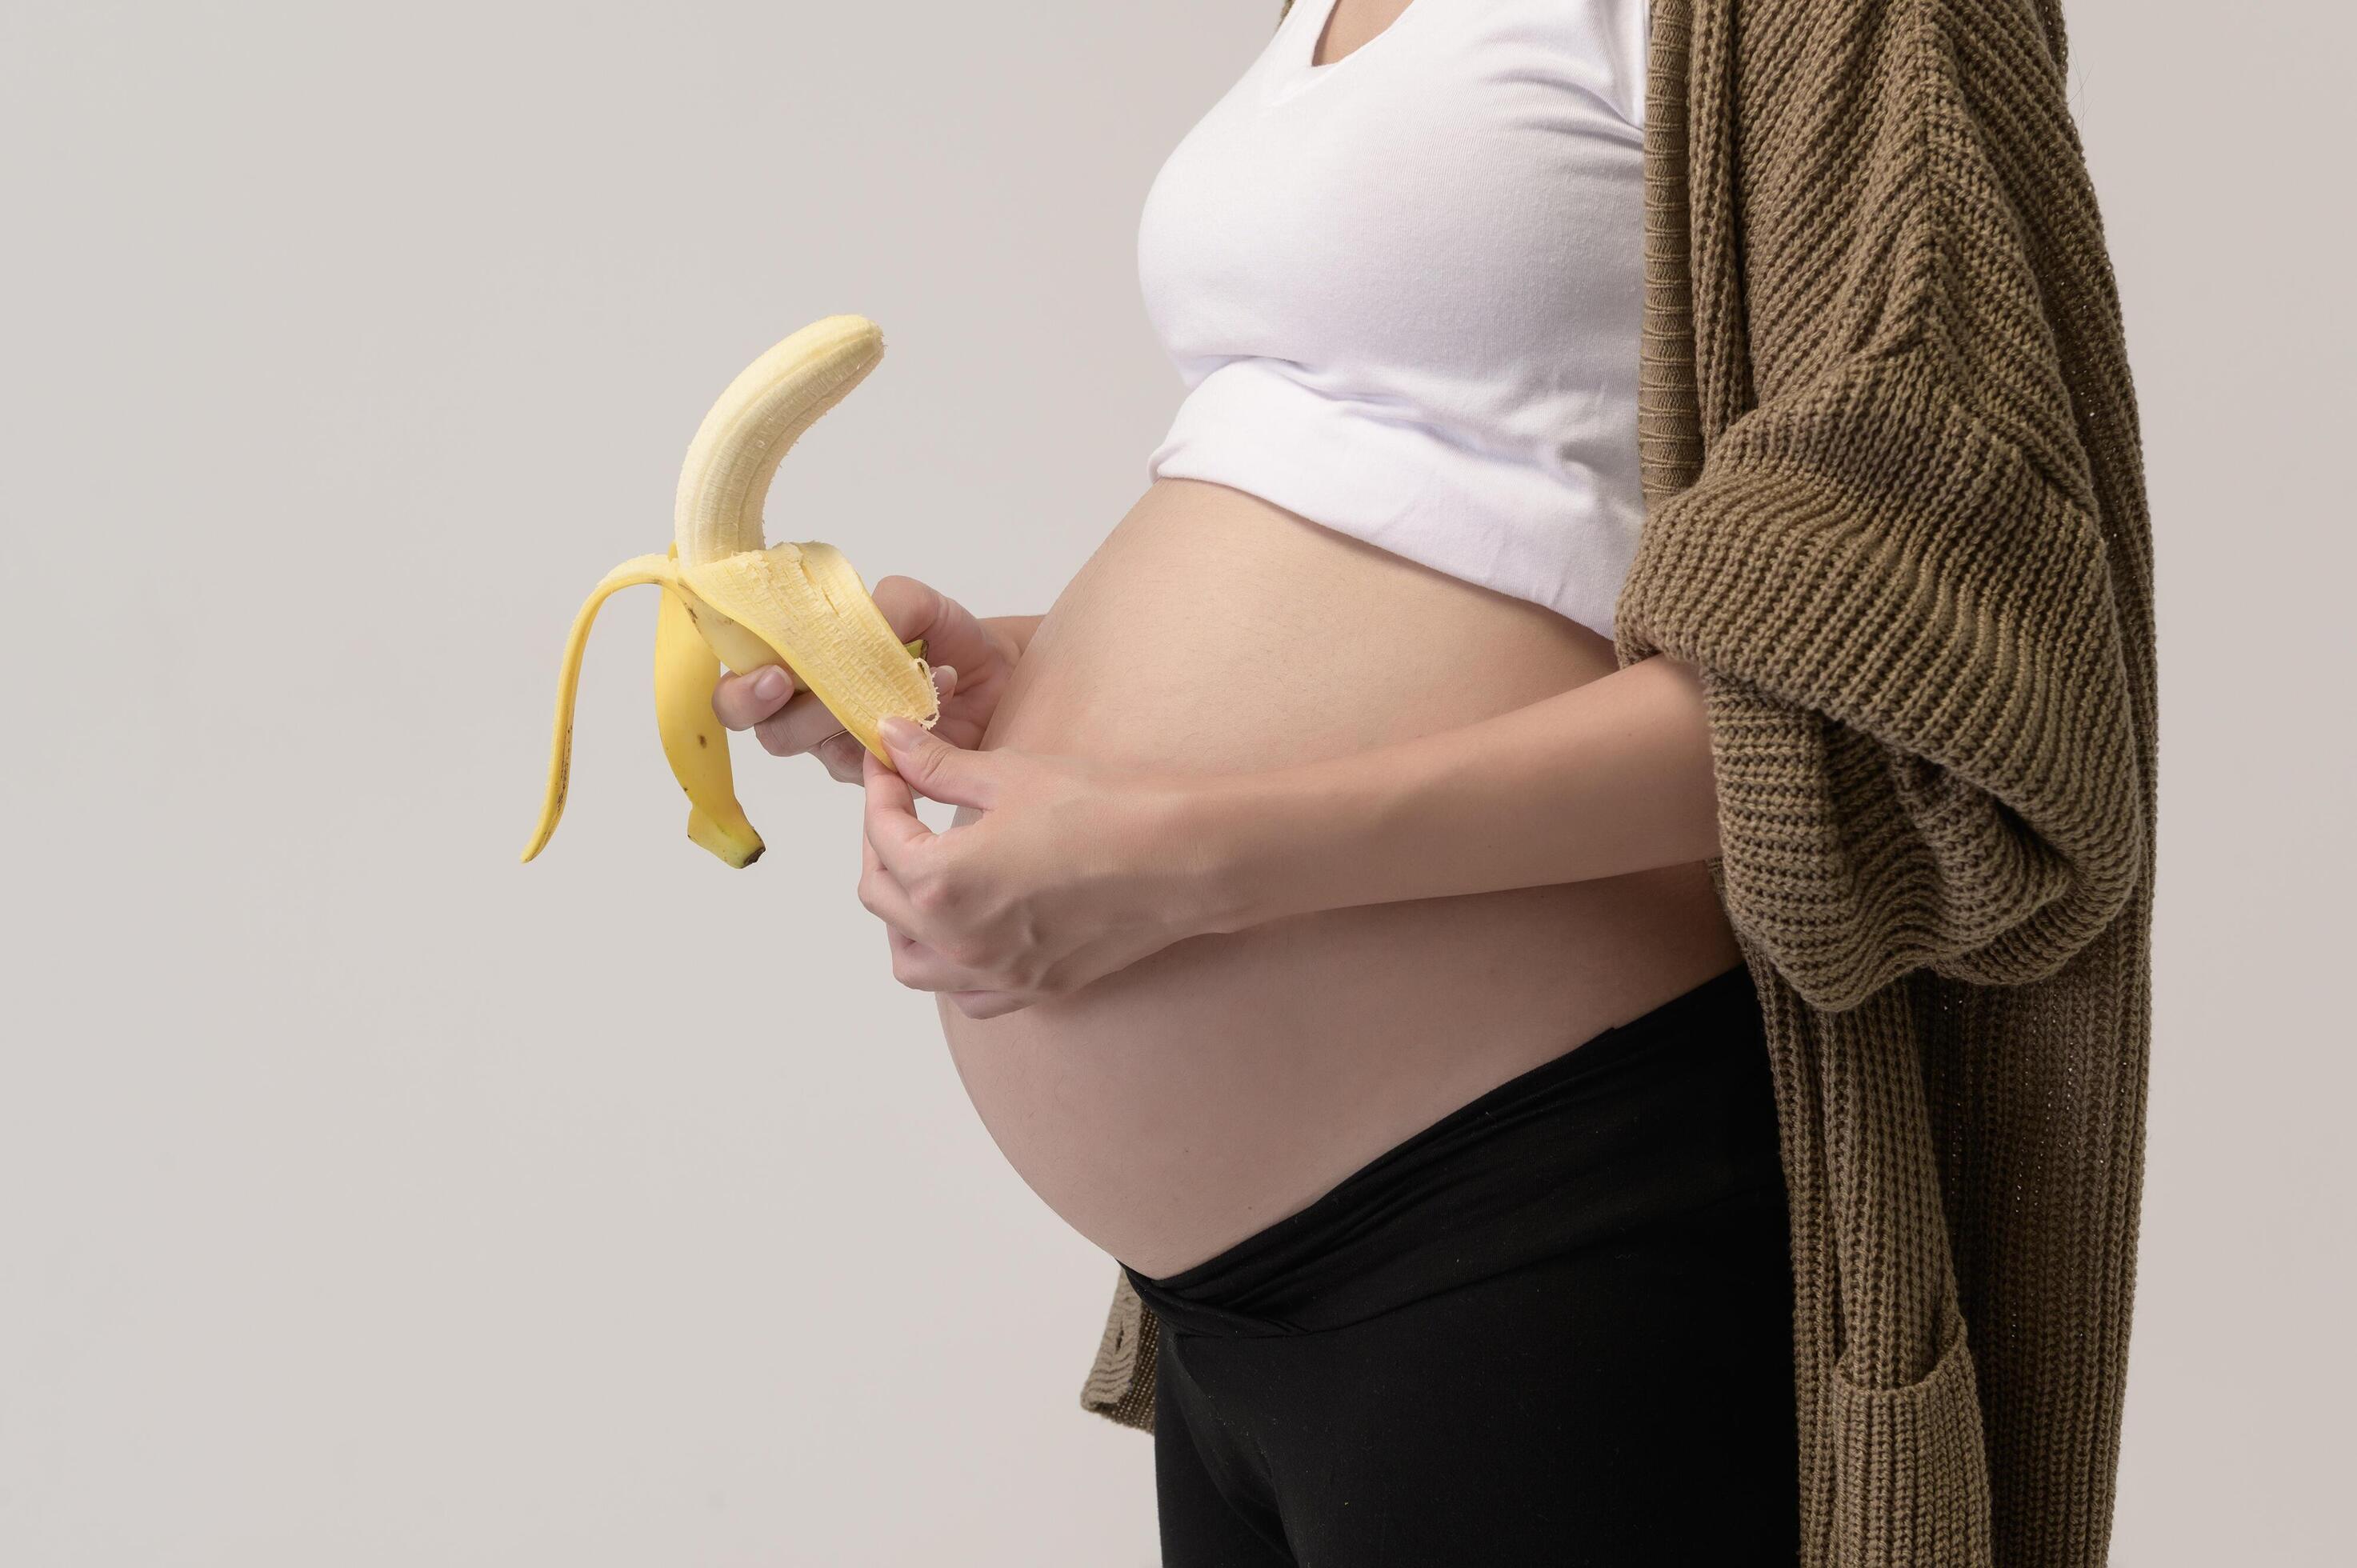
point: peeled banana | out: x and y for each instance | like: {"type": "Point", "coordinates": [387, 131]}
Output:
{"type": "Point", "coordinates": [728, 599]}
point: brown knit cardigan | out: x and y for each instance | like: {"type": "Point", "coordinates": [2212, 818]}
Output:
{"type": "Point", "coordinates": [1897, 518]}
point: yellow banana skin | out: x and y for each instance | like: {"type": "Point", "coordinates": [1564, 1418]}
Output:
{"type": "Point", "coordinates": [729, 599]}
{"type": "Point", "coordinates": [694, 743]}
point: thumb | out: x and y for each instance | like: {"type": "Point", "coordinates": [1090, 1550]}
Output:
{"type": "Point", "coordinates": [936, 769]}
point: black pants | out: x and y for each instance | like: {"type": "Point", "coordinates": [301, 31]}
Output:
{"type": "Point", "coordinates": [1553, 1327]}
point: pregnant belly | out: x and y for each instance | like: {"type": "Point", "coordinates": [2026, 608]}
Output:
{"type": "Point", "coordinates": [1174, 1108]}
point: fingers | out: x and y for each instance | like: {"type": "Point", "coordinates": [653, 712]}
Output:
{"type": "Point", "coordinates": [797, 727]}
{"type": "Point", "coordinates": [790, 725]}
{"type": "Point", "coordinates": [952, 634]}
{"type": "Point", "coordinates": [743, 701]}
{"type": "Point", "coordinates": [807, 725]}
{"type": "Point", "coordinates": [898, 835]}
{"type": "Point", "coordinates": [883, 897]}
{"type": "Point", "coordinates": [911, 608]}
{"type": "Point", "coordinates": [916, 963]}
{"type": "Point", "coordinates": [842, 756]}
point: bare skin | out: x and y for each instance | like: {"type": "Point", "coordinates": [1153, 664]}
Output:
{"type": "Point", "coordinates": [1273, 849]}
{"type": "Point", "coordinates": [1351, 24]}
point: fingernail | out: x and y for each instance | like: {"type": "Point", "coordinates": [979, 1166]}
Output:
{"type": "Point", "coordinates": [769, 685]}
{"type": "Point", "coordinates": [945, 678]}
{"type": "Point", "coordinates": [898, 731]}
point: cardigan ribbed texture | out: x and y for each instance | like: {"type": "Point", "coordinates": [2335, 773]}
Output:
{"type": "Point", "coordinates": [1896, 517]}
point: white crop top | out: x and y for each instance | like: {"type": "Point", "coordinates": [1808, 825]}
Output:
{"type": "Point", "coordinates": [1404, 289]}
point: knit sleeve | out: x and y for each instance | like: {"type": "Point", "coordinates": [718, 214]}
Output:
{"type": "Point", "coordinates": [1894, 567]}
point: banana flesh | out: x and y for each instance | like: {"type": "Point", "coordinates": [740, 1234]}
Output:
{"type": "Point", "coordinates": [757, 419]}
{"type": "Point", "coordinates": [730, 599]}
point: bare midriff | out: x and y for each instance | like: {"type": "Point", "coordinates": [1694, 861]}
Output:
{"type": "Point", "coordinates": [1173, 1109]}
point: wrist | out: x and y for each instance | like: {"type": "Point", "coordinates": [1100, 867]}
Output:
{"type": "Point", "coordinates": [1226, 833]}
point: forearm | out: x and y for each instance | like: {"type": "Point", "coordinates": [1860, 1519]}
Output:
{"type": "Point", "coordinates": [1611, 777]}
{"type": "Point", "coordinates": [1016, 629]}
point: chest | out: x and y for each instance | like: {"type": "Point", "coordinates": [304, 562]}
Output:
{"type": "Point", "coordinates": [1473, 162]}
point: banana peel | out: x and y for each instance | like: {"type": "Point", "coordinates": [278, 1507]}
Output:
{"type": "Point", "coordinates": [731, 600]}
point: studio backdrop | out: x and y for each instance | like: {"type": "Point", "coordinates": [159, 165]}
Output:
{"type": "Point", "coordinates": [368, 1200]}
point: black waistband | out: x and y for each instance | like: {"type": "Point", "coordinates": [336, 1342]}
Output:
{"type": "Point", "coordinates": [1669, 1112]}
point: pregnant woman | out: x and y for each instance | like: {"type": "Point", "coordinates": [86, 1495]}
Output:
{"type": "Point", "coordinates": [1566, 892]}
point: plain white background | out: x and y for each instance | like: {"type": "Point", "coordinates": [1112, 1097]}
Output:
{"type": "Point", "coordinates": [368, 1199]}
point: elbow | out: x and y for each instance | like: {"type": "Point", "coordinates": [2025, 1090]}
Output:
{"type": "Point", "coordinates": [1849, 865]}
{"type": "Point", "coordinates": [2102, 873]}
{"type": "Point", "coordinates": [1838, 939]}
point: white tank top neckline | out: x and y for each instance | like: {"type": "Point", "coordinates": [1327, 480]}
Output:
{"type": "Point", "coordinates": [1404, 289]}
{"type": "Point", "coordinates": [1305, 70]}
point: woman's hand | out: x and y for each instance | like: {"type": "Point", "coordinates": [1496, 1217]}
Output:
{"type": "Point", "coordinates": [972, 662]}
{"type": "Point", "coordinates": [1072, 870]}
